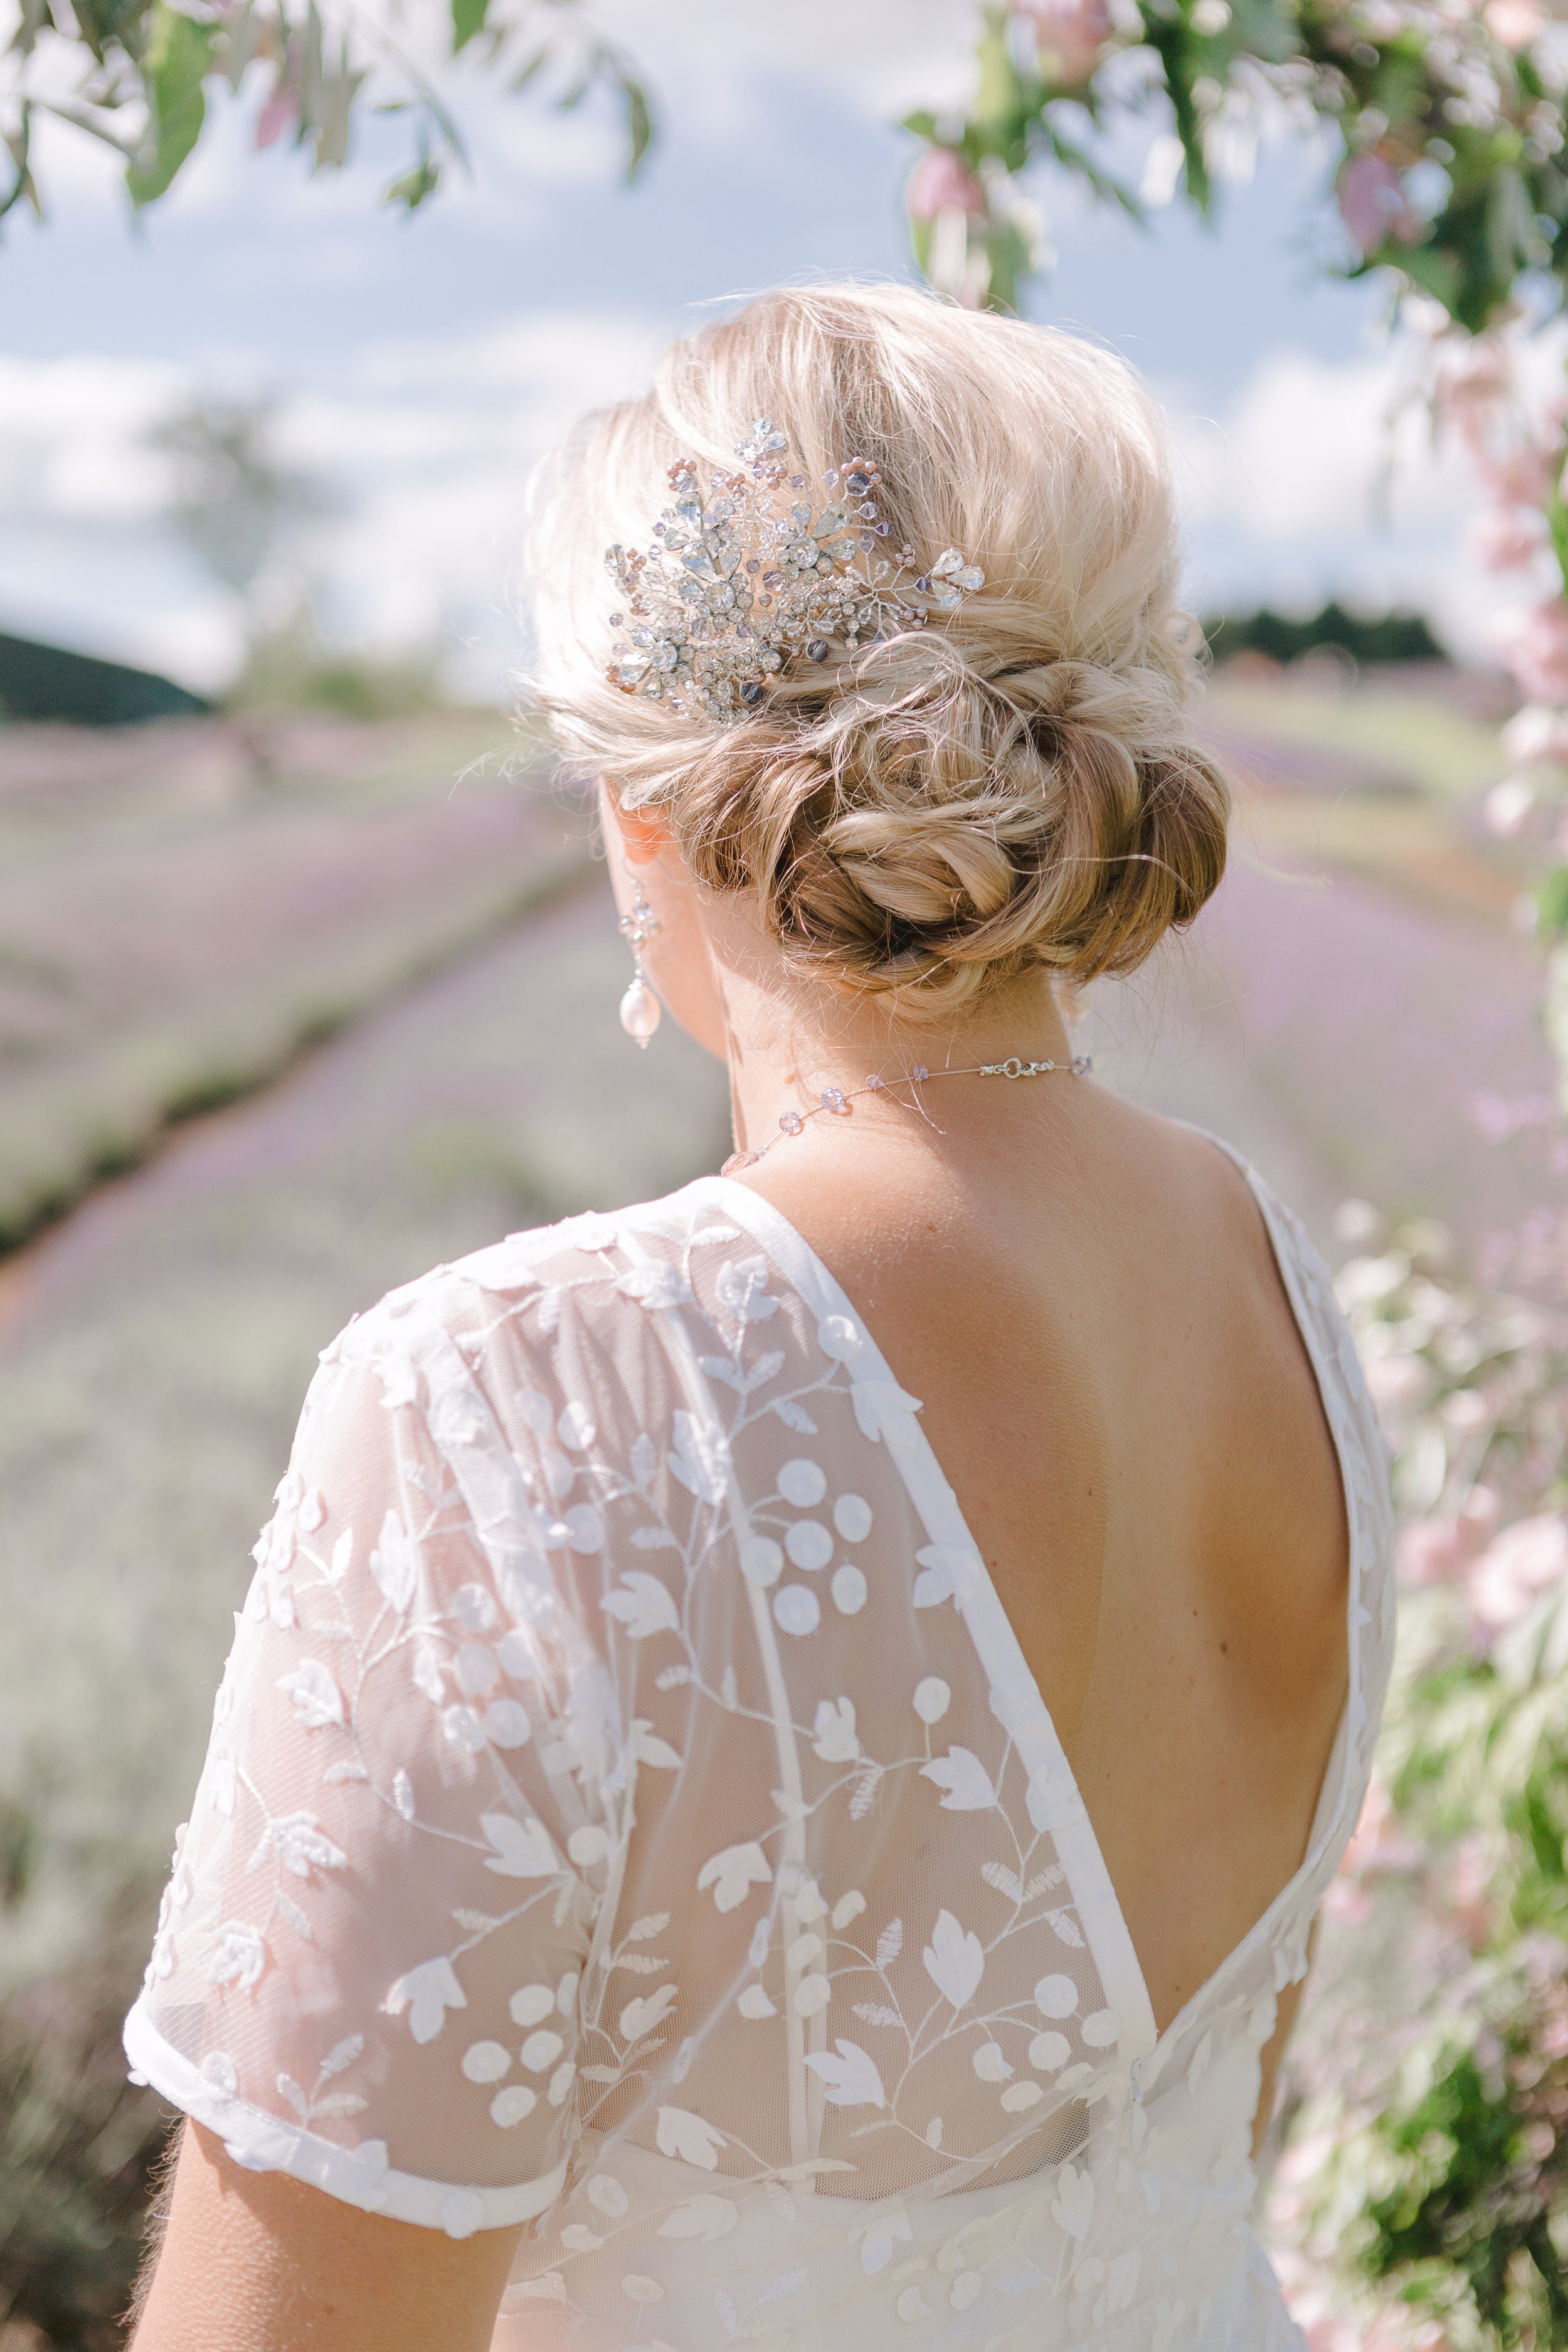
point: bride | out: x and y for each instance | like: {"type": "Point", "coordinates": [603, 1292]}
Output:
{"type": "Point", "coordinates": [777, 1768]}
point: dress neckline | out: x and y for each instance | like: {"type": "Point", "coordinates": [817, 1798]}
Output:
{"type": "Point", "coordinates": [1055, 1800]}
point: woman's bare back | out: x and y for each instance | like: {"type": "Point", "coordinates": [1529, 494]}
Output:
{"type": "Point", "coordinates": [1115, 1384]}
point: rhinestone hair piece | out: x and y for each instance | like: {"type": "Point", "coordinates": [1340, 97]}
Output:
{"type": "Point", "coordinates": [730, 590]}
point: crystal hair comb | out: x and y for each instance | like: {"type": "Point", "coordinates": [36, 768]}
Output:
{"type": "Point", "coordinates": [729, 591]}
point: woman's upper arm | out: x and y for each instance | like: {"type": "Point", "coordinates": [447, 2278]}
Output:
{"type": "Point", "coordinates": [255, 2262]}
{"type": "Point", "coordinates": [365, 1975]}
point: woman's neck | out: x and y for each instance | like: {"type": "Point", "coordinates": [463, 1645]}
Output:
{"type": "Point", "coordinates": [789, 1047]}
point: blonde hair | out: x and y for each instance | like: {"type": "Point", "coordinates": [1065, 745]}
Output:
{"type": "Point", "coordinates": [1017, 785]}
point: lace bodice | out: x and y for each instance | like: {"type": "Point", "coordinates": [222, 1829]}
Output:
{"type": "Point", "coordinates": [629, 1812]}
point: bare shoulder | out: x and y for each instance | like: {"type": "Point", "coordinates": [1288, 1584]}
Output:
{"type": "Point", "coordinates": [1283, 1481]}
{"type": "Point", "coordinates": [1195, 1209]}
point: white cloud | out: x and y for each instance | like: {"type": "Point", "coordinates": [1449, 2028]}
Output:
{"type": "Point", "coordinates": [1306, 450]}
{"type": "Point", "coordinates": [1323, 478]}
{"type": "Point", "coordinates": [426, 448]}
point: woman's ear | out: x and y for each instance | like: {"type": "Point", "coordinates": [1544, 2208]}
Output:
{"type": "Point", "coordinates": [645, 864]}
{"type": "Point", "coordinates": [642, 836]}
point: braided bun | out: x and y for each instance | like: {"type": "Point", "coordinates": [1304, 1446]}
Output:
{"type": "Point", "coordinates": [1018, 785]}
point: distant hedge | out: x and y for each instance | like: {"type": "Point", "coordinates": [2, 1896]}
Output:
{"type": "Point", "coordinates": [1380, 637]}
{"type": "Point", "coordinates": [46, 682]}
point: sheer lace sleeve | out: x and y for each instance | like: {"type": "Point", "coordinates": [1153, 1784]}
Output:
{"type": "Point", "coordinates": [367, 1962]}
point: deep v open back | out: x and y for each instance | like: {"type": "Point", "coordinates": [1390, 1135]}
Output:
{"type": "Point", "coordinates": [629, 1811]}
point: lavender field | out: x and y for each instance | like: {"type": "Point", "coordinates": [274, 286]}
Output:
{"type": "Point", "coordinates": [183, 906]}
{"type": "Point", "coordinates": [1355, 1011]}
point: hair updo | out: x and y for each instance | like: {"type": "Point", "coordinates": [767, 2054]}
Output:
{"type": "Point", "coordinates": [1018, 784]}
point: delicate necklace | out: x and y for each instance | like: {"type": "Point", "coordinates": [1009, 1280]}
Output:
{"type": "Point", "coordinates": [835, 1100]}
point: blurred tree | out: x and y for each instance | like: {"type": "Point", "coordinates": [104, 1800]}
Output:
{"type": "Point", "coordinates": [1285, 637]}
{"type": "Point", "coordinates": [234, 501]}
{"type": "Point", "coordinates": [243, 512]}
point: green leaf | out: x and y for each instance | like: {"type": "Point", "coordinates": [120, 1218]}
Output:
{"type": "Point", "coordinates": [535, 64]}
{"type": "Point", "coordinates": [1104, 184]}
{"type": "Point", "coordinates": [467, 18]}
{"type": "Point", "coordinates": [412, 189]}
{"type": "Point", "coordinates": [33, 17]}
{"type": "Point", "coordinates": [22, 189]}
{"type": "Point", "coordinates": [1266, 29]}
{"type": "Point", "coordinates": [1557, 524]}
{"type": "Point", "coordinates": [1511, 223]}
{"type": "Point", "coordinates": [179, 55]}
{"type": "Point", "coordinates": [341, 86]}
{"type": "Point", "coordinates": [1011, 259]}
{"type": "Point", "coordinates": [1001, 117]}
{"type": "Point", "coordinates": [1552, 912]}
{"type": "Point", "coordinates": [639, 123]}
{"type": "Point", "coordinates": [242, 36]}
{"type": "Point", "coordinates": [1177, 49]}
{"type": "Point", "coordinates": [922, 123]}
{"type": "Point", "coordinates": [1429, 267]}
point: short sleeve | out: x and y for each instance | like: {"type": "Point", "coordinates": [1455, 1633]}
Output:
{"type": "Point", "coordinates": [368, 1958]}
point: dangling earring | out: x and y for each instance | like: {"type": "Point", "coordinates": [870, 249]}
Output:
{"type": "Point", "coordinates": [640, 1011]}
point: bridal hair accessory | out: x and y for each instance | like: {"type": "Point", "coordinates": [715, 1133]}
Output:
{"type": "Point", "coordinates": [835, 1100]}
{"type": "Point", "coordinates": [640, 1011]}
{"type": "Point", "coordinates": [729, 591]}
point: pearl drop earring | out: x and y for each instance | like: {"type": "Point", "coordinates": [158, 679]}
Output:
{"type": "Point", "coordinates": [640, 1010]}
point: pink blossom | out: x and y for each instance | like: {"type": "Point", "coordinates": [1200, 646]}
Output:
{"type": "Point", "coordinates": [1377, 1844]}
{"type": "Point", "coordinates": [940, 182]}
{"type": "Point", "coordinates": [1522, 478]}
{"type": "Point", "coordinates": [1534, 647]}
{"type": "Point", "coordinates": [278, 111]}
{"type": "Point", "coordinates": [1509, 806]}
{"type": "Point", "coordinates": [1431, 1552]}
{"type": "Point", "coordinates": [1482, 1507]}
{"type": "Point", "coordinates": [1516, 1569]}
{"type": "Point", "coordinates": [1330, 2332]}
{"type": "Point", "coordinates": [1071, 34]}
{"type": "Point", "coordinates": [1505, 540]}
{"type": "Point", "coordinates": [1468, 1887]}
{"type": "Point", "coordinates": [1373, 204]}
{"type": "Point", "coordinates": [1473, 384]}
{"type": "Point", "coordinates": [1377, 1841]}
{"type": "Point", "coordinates": [1538, 733]}
{"type": "Point", "coordinates": [1304, 2158]}
{"type": "Point", "coordinates": [1514, 22]}
{"type": "Point", "coordinates": [1437, 1551]}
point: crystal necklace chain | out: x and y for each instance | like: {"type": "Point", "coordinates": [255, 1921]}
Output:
{"type": "Point", "coordinates": [835, 1101]}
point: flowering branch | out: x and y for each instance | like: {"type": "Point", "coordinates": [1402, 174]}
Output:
{"type": "Point", "coordinates": [1450, 119]}
{"type": "Point", "coordinates": [136, 74]}
{"type": "Point", "coordinates": [1519, 455]}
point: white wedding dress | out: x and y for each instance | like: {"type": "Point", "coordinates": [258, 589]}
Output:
{"type": "Point", "coordinates": [629, 1812]}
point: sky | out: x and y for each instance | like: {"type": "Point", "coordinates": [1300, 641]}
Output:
{"type": "Point", "coordinates": [420, 365]}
